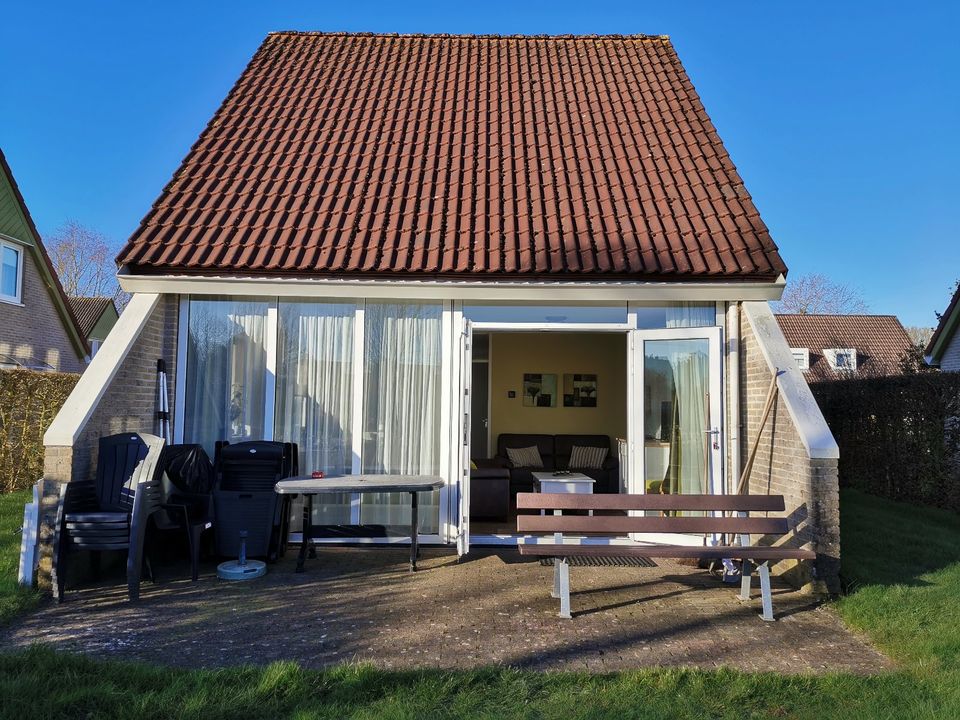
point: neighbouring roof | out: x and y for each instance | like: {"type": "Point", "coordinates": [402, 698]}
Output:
{"type": "Point", "coordinates": [16, 222]}
{"type": "Point", "coordinates": [880, 342]}
{"type": "Point", "coordinates": [88, 311]}
{"type": "Point", "coordinates": [947, 327]}
{"type": "Point", "coordinates": [442, 155]}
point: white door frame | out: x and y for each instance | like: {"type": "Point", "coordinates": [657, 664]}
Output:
{"type": "Point", "coordinates": [636, 476]}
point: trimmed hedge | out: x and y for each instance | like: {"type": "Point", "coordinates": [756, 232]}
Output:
{"type": "Point", "coordinates": [29, 401]}
{"type": "Point", "coordinates": [899, 437]}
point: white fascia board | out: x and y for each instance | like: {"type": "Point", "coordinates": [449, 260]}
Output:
{"type": "Point", "coordinates": [86, 395]}
{"type": "Point", "coordinates": [469, 290]}
{"type": "Point", "coordinates": [800, 403]}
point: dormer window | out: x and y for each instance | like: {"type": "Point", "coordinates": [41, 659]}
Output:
{"type": "Point", "coordinates": [802, 356]}
{"type": "Point", "coordinates": [842, 358]}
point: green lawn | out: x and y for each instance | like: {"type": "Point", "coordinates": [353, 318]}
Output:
{"type": "Point", "coordinates": [13, 598]}
{"type": "Point", "coordinates": [903, 563]}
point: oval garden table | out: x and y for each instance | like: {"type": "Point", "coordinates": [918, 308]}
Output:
{"type": "Point", "coordinates": [311, 486]}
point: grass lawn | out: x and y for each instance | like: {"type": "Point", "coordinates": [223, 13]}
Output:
{"type": "Point", "coordinates": [13, 598]}
{"type": "Point", "coordinates": [903, 563]}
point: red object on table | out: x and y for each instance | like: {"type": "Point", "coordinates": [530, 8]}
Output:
{"type": "Point", "coordinates": [317, 474]}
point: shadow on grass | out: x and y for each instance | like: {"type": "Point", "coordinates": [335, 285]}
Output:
{"type": "Point", "coordinates": [888, 543]}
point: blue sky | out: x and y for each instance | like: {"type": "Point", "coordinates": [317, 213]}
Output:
{"type": "Point", "coordinates": [844, 118]}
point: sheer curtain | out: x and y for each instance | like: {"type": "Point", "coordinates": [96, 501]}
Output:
{"type": "Point", "coordinates": [226, 371]}
{"type": "Point", "coordinates": [690, 314]}
{"type": "Point", "coordinates": [314, 402]}
{"type": "Point", "coordinates": [401, 424]}
{"type": "Point", "coordinates": [689, 443]}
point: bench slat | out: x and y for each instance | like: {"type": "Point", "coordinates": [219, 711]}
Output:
{"type": "Point", "coordinates": [763, 552]}
{"type": "Point", "coordinates": [624, 524]}
{"type": "Point", "coordinates": [706, 503]}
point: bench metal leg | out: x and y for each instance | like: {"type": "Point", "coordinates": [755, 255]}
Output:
{"type": "Point", "coordinates": [746, 577]}
{"type": "Point", "coordinates": [765, 596]}
{"type": "Point", "coordinates": [563, 567]}
{"type": "Point", "coordinates": [555, 593]}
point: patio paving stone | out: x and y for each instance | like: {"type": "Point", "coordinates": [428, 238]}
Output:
{"type": "Point", "coordinates": [361, 604]}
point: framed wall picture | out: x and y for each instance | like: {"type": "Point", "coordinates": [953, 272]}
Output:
{"type": "Point", "coordinates": [579, 390]}
{"type": "Point", "coordinates": [539, 390]}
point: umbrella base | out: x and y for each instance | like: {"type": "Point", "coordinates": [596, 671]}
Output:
{"type": "Point", "coordinates": [233, 570]}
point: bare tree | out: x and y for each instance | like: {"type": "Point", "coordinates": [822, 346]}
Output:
{"type": "Point", "coordinates": [919, 336]}
{"type": "Point", "coordinates": [817, 294]}
{"type": "Point", "coordinates": [83, 260]}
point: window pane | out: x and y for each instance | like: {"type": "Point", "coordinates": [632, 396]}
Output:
{"type": "Point", "coordinates": [676, 315]}
{"type": "Point", "coordinates": [676, 386]}
{"type": "Point", "coordinates": [314, 405]}
{"type": "Point", "coordinates": [534, 313]}
{"type": "Point", "coordinates": [8, 272]}
{"type": "Point", "coordinates": [226, 369]}
{"type": "Point", "coordinates": [401, 423]}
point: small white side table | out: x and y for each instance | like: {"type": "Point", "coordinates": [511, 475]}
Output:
{"type": "Point", "coordinates": [547, 482]}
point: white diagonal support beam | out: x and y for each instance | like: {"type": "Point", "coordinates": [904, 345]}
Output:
{"type": "Point", "coordinates": [76, 411]}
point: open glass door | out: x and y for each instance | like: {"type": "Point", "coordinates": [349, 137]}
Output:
{"type": "Point", "coordinates": [677, 392]}
{"type": "Point", "coordinates": [463, 446]}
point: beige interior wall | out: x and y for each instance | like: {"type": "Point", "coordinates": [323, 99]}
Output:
{"type": "Point", "coordinates": [513, 354]}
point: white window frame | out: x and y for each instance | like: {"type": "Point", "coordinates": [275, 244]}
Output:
{"type": "Point", "coordinates": [446, 532]}
{"type": "Point", "coordinates": [833, 353]}
{"type": "Point", "coordinates": [802, 356]}
{"type": "Point", "coordinates": [17, 297]}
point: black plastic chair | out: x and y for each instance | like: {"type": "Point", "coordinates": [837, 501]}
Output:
{"type": "Point", "coordinates": [244, 498]}
{"type": "Point", "coordinates": [110, 512]}
{"type": "Point", "coordinates": [186, 475]}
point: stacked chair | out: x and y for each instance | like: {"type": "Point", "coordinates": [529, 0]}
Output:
{"type": "Point", "coordinates": [110, 512]}
{"type": "Point", "coordinates": [244, 498]}
{"type": "Point", "coordinates": [186, 474]}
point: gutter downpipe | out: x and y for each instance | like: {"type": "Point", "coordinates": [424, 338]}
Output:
{"type": "Point", "coordinates": [733, 395]}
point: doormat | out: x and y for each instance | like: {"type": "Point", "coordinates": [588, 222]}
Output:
{"type": "Point", "coordinates": [622, 561]}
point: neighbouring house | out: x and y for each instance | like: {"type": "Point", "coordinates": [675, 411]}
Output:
{"type": "Point", "coordinates": [839, 347]}
{"type": "Point", "coordinates": [943, 350]}
{"type": "Point", "coordinates": [38, 330]}
{"type": "Point", "coordinates": [379, 237]}
{"type": "Point", "coordinates": [96, 317]}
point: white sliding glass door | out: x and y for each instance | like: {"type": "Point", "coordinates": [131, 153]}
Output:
{"type": "Point", "coordinates": [357, 385]}
{"type": "Point", "coordinates": [402, 405]}
{"type": "Point", "coordinates": [226, 360]}
{"type": "Point", "coordinates": [314, 395]}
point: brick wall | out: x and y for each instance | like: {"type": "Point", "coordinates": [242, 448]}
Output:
{"type": "Point", "coordinates": [783, 466]}
{"type": "Point", "coordinates": [36, 328]}
{"type": "Point", "coordinates": [129, 404]}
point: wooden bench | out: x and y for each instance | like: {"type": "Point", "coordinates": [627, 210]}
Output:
{"type": "Point", "coordinates": [714, 522]}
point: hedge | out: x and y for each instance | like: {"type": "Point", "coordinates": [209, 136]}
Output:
{"type": "Point", "coordinates": [29, 401]}
{"type": "Point", "coordinates": [899, 437]}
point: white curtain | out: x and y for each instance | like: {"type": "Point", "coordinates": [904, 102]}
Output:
{"type": "Point", "coordinates": [401, 406]}
{"type": "Point", "coordinates": [226, 370]}
{"type": "Point", "coordinates": [691, 314]}
{"type": "Point", "coordinates": [314, 405]}
{"type": "Point", "coordinates": [689, 443]}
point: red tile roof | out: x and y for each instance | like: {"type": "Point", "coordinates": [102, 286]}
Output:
{"type": "Point", "coordinates": [880, 342]}
{"type": "Point", "coordinates": [576, 156]}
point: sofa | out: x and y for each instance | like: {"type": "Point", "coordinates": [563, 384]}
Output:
{"type": "Point", "coordinates": [490, 492]}
{"type": "Point", "coordinates": [555, 452]}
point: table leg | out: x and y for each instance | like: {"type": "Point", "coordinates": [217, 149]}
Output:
{"type": "Point", "coordinates": [414, 501]}
{"type": "Point", "coordinates": [307, 531]}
